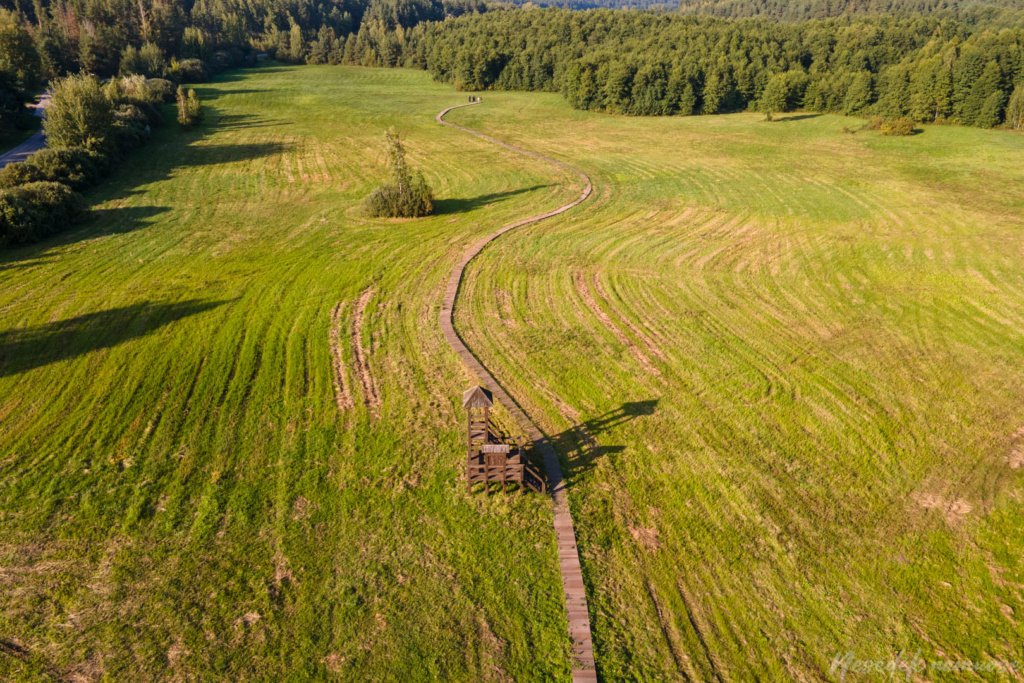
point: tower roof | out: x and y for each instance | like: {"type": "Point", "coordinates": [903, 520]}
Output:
{"type": "Point", "coordinates": [477, 397]}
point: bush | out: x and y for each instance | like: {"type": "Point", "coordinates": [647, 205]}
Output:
{"type": "Point", "coordinates": [31, 212]}
{"type": "Point", "coordinates": [160, 90]}
{"type": "Point", "coordinates": [79, 115]}
{"type": "Point", "coordinates": [407, 195]}
{"type": "Point", "coordinates": [75, 167]}
{"type": "Point", "coordinates": [133, 89]}
{"type": "Point", "coordinates": [186, 71]}
{"type": "Point", "coordinates": [190, 109]}
{"type": "Point", "coordinates": [136, 90]}
{"type": "Point", "coordinates": [900, 126]}
{"type": "Point", "coordinates": [227, 59]}
{"type": "Point", "coordinates": [131, 127]}
{"type": "Point", "coordinates": [19, 173]}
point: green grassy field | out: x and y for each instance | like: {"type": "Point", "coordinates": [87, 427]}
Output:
{"type": "Point", "coordinates": [181, 495]}
{"type": "Point", "coordinates": [784, 364]}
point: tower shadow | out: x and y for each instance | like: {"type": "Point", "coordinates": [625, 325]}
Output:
{"type": "Point", "coordinates": [577, 447]}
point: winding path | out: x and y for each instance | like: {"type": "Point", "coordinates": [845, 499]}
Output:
{"type": "Point", "coordinates": [568, 555]}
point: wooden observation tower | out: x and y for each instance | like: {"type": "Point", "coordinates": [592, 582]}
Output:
{"type": "Point", "coordinates": [490, 455]}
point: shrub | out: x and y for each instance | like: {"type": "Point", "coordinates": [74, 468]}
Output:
{"type": "Point", "coordinates": [900, 126]}
{"type": "Point", "coordinates": [190, 109]}
{"type": "Point", "coordinates": [131, 127]}
{"type": "Point", "coordinates": [186, 71]}
{"type": "Point", "coordinates": [160, 90]}
{"type": "Point", "coordinates": [136, 90]}
{"type": "Point", "coordinates": [133, 88]}
{"type": "Point", "coordinates": [19, 173]}
{"type": "Point", "coordinates": [407, 195]}
{"type": "Point", "coordinates": [227, 59]}
{"type": "Point", "coordinates": [76, 167]}
{"type": "Point", "coordinates": [79, 115]}
{"type": "Point", "coordinates": [31, 212]}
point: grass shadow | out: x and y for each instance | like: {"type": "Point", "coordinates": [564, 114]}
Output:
{"type": "Point", "coordinates": [25, 349]}
{"type": "Point", "coordinates": [170, 149]}
{"type": "Point", "coordinates": [453, 205]}
{"type": "Point", "coordinates": [240, 121]}
{"type": "Point", "coordinates": [23, 264]}
{"type": "Point", "coordinates": [97, 223]}
{"type": "Point", "coordinates": [797, 117]}
{"type": "Point", "coordinates": [115, 221]}
{"type": "Point", "coordinates": [208, 155]}
{"type": "Point", "coordinates": [208, 94]}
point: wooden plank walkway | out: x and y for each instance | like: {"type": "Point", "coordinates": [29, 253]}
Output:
{"type": "Point", "coordinates": [584, 669]}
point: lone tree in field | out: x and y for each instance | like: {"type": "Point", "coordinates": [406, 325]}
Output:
{"type": "Point", "coordinates": [783, 92]}
{"type": "Point", "coordinates": [407, 195]}
{"type": "Point", "coordinates": [190, 109]}
{"type": "Point", "coordinates": [773, 99]}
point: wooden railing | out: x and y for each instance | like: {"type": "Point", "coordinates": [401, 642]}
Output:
{"type": "Point", "coordinates": [510, 473]}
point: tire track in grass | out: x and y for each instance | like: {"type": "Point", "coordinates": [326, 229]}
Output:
{"type": "Point", "coordinates": [583, 667]}
{"type": "Point", "coordinates": [370, 394]}
{"type": "Point", "coordinates": [579, 280]}
{"type": "Point", "coordinates": [342, 393]}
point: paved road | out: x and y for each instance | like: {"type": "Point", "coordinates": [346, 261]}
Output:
{"type": "Point", "coordinates": [33, 144]}
{"type": "Point", "coordinates": [577, 611]}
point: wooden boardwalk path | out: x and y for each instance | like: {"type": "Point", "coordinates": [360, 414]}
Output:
{"type": "Point", "coordinates": [584, 668]}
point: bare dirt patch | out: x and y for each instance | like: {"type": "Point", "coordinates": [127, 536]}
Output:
{"type": "Point", "coordinates": [175, 653]}
{"type": "Point", "coordinates": [282, 573]}
{"type": "Point", "coordinates": [492, 651]}
{"type": "Point", "coordinates": [334, 662]}
{"type": "Point", "coordinates": [647, 537]}
{"type": "Point", "coordinates": [302, 508]}
{"type": "Point", "coordinates": [1016, 457]}
{"type": "Point", "coordinates": [370, 394]}
{"type": "Point", "coordinates": [342, 393]}
{"type": "Point", "coordinates": [954, 510]}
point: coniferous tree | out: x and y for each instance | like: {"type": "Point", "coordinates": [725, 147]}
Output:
{"type": "Point", "coordinates": [983, 105]}
{"type": "Point", "coordinates": [1015, 108]}
{"type": "Point", "coordinates": [859, 94]}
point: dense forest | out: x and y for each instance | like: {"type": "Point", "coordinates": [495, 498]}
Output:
{"type": "Point", "coordinates": [928, 68]}
{"type": "Point", "coordinates": [185, 41]}
{"type": "Point", "coordinates": [930, 60]}
{"type": "Point", "coordinates": [798, 10]}
{"type": "Point", "coordinates": [92, 35]}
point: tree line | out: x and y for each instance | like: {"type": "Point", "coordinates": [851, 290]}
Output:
{"type": "Point", "coordinates": [799, 10]}
{"type": "Point", "coordinates": [935, 60]}
{"type": "Point", "coordinates": [42, 40]}
{"type": "Point", "coordinates": [929, 68]}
